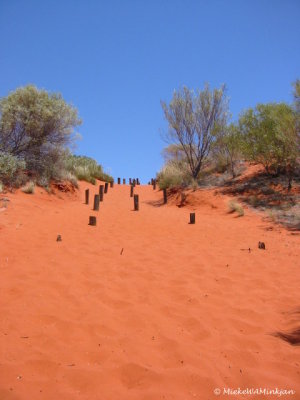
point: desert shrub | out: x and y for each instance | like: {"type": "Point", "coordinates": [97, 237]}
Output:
{"type": "Point", "coordinates": [174, 174]}
{"type": "Point", "coordinates": [85, 168]}
{"type": "Point", "coordinates": [9, 167]}
{"type": "Point", "coordinates": [1, 187]}
{"type": "Point", "coordinates": [254, 201]}
{"type": "Point", "coordinates": [32, 118]}
{"type": "Point", "coordinates": [29, 188]}
{"type": "Point", "coordinates": [269, 136]}
{"type": "Point", "coordinates": [226, 150]}
{"type": "Point", "coordinates": [233, 206]}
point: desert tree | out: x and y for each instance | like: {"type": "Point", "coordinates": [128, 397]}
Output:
{"type": "Point", "coordinates": [194, 120]}
{"type": "Point", "coordinates": [269, 137]}
{"type": "Point", "coordinates": [34, 123]}
{"type": "Point", "coordinates": [227, 147]}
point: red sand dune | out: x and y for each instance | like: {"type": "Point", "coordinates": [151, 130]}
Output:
{"type": "Point", "coordinates": [183, 310]}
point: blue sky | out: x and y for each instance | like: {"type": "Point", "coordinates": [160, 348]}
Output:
{"type": "Point", "coordinates": [115, 60]}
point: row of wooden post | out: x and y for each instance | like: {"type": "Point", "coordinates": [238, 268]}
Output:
{"type": "Point", "coordinates": [104, 189]}
{"type": "Point", "coordinates": [97, 199]}
{"type": "Point", "coordinates": [131, 181]}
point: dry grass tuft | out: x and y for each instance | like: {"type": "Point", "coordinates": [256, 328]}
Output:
{"type": "Point", "coordinates": [233, 206]}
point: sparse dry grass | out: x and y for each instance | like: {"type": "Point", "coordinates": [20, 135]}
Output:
{"type": "Point", "coordinates": [28, 188]}
{"type": "Point", "coordinates": [233, 206]}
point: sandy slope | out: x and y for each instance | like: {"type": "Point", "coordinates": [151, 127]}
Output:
{"type": "Point", "coordinates": [182, 311]}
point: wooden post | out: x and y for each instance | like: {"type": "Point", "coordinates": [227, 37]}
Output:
{"type": "Point", "coordinates": [106, 187]}
{"type": "Point", "coordinates": [136, 202]}
{"type": "Point", "coordinates": [152, 181]}
{"type": "Point", "coordinates": [154, 184]}
{"type": "Point", "coordinates": [131, 191]}
{"type": "Point", "coordinates": [87, 196]}
{"type": "Point", "coordinates": [130, 181]}
{"type": "Point", "coordinates": [119, 181]}
{"type": "Point", "coordinates": [96, 202]}
{"type": "Point", "coordinates": [124, 181]}
{"type": "Point", "coordinates": [137, 181]}
{"type": "Point", "coordinates": [165, 196]}
{"type": "Point", "coordinates": [112, 184]}
{"type": "Point", "coordinates": [92, 221]}
{"type": "Point", "coordinates": [101, 191]}
{"type": "Point", "coordinates": [133, 183]}
{"type": "Point", "coordinates": [192, 218]}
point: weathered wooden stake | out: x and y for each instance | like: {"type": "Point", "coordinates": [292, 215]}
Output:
{"type": "Point", "coordinates": [119, 181]}
{"type": "Point", "coordinates": [93, 221]}
{"type": "Point", "coordinates": [101, 191]}
{"type": "Point", "coordinates": [106, 187]}
{"type": "Point", "coordinates": [136, 202]}
{"type": "Point", "coordinates": [124, 181]}
{"type": "Point", "coordinates": [96, 202]}
{"type": "Point", "coordinates": [134, 182]}
{"type": "Point", "coordinates": [192, 218]}
{"type": "Point", "coordinates": [152, 181]}
{"type": "Point", "coordinates": [131, 191]}
{"type": "Point", "coordinates": [154, 184]}
{"type": "Point", "coordinates": [130, 181]}
{"type": "Point", "coordinates": [165, 196]}
{"type": "Point", "coordinates": [112, 184]}
{"type": "Point", "coordinates": [87, 196]}
{"type": "Point", "coordinates": [137, 181]}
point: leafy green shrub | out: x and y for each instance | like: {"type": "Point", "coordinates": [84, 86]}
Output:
{"type": "Point", "coordinates": [29, 188]}
{"type": "Point", "coordinates": [9, 167]}
{"type": "Point", "coordinates": [85, 168]}
{"type": "Point", "coordinates": [32, 118]}
{"type": "Point", "coordinates": [269, 136]}
{"type": "Point", "coordinates": [233, 206]}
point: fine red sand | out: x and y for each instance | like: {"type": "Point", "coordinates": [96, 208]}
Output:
{"type": "Point", "coordinates": [183, 310]}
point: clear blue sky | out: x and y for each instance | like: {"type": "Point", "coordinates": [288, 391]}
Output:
{"type": "Point", "coordinates": [115, 60]}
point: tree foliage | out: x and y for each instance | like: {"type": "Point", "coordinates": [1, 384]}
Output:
{"type": "Point", "coordinates": [34, 121]}
{"type": "Point", "coordinates": [269, 136]}
{"type": "Point", "coordinates": [194, 120]}
{"type": "Point", "coordinates": [228, 147]}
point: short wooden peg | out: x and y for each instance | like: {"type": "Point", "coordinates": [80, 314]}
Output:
{"type": "Point", "coordinates": [96, 202]}
{"type": "Point", "coordinates": [87, 196]}
{"type": "Point", "coordinates": [93, 220]}
{"type": "Point", "coordinates": [192, 218]}
{"type": "Point", "coordinates": [101, 191]}
{"type": "Point", "coordinates": [136, 202]}
{"type": "Point", "coordinates": [165, 196]}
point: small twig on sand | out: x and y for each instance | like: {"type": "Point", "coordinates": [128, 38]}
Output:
{"type": "Point", "coordinates": [122, 251]}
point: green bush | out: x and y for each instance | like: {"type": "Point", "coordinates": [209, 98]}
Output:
{"type": "Point", "coordinates": [10, 166]}
{"type": "Point", "coordinates": [269, 136]}
{"type": "Point", "coordinates": [85, 168]}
